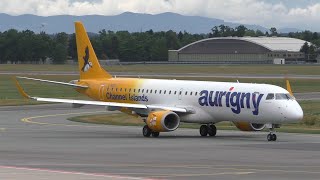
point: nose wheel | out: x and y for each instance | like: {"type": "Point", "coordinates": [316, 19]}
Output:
{"type": "Point", "coordinates": [206, 130]}
{"type": "Point", "coordinates": [272, 136]}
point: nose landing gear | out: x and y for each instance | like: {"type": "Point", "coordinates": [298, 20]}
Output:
{"type": "Point", "coordinates": [272, 136]}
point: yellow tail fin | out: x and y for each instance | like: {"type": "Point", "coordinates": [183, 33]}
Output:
{"type": "Point", "coordinates": [89, 66]}
{"type": "Point", "coordinates": [289, 87]}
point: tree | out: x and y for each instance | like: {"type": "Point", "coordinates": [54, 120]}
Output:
{"type": "Point", "coordinates": [240, 31]}
{"type": "Point", "coordinates": [60, 47]}
{"type": "Point", "coordinates": [72, 47]}
{"type": "Point", "coordinates": [273, 31]}
{"type": "Point", "coordinates": [259, 33]}
{"type": "Point", "coordinates": [305, 48]}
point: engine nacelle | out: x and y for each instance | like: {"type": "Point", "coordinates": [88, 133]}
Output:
{"type": "Point", "coordinates": [163, 121]}
{"type": "Point", "coordinates": [246, 126]}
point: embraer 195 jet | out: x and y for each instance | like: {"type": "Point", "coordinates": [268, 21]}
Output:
{"type": "Point", "coordinates": [163, 104]}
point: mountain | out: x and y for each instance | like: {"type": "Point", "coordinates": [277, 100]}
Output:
{"type": "Point", "coordinates": [132, 22]}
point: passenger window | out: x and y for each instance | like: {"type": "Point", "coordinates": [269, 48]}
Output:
{"type": "Point", "coordinates": [125, 89]}
{"type": "Point", "coordinates": [151, 91]}
{"type": "Point", "coordinates": [186, 93]}
{"type": "Point", "coordinates": [142, 90]}
{"type": "Point", "coordinates": [134, 90]}
{"type": "Point", "coordinates": [175, 92]}
{"type": "Point", "coordinates": [155, 91]}
{"type": "Point", "coordinates": [164, 92]}
{"type": "Point", "coordinates": [138, 90]}
{"type": "Point", "coordinates": [130, 90]}
{"type": "Point", "coordinates": [180, 92]}
{"type": "Point", "coordinates": [120, 89]}
{"type": "Point", "coordinates": [116, 89]}
{"type": "Point", "coordinates": [190, 93]}
{"type": "Point", "coordinates": [160, 92]}
{"type": "Point", "coordinates": [196, 93]}
{"type": "Point", "coordinates": [169, 92]}
{"type": "Point", "coordinates": [147, 90]}
{"type": "Point", "coordinates": [270, 96]}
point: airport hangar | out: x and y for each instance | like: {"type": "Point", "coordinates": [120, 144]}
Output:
{"type": "Point", "coordinates": [241, 50]}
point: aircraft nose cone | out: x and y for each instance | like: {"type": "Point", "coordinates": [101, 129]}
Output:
{"type": "Point", "coordinates": [296, 113]}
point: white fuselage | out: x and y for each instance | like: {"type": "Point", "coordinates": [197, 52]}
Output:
{"type": "Point", "coordinates": [222, 101]}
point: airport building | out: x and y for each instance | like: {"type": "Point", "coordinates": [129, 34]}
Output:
{"type": "Point", "coordinates": [241, 50]}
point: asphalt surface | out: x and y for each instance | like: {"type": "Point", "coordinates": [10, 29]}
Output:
{"type": "Point", "coordinates": [37, 142]}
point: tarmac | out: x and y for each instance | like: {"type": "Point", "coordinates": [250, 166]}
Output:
{"type": "Point", "coordinates": [37, 142]}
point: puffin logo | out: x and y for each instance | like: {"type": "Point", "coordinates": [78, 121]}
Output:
{"type": "Point", "coordinates": [153, 121]}
{"type": "Point", "coordinates": [87, 64]}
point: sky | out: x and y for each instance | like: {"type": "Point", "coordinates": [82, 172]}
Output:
{"type": "Point", "coordinates": [301, 14]}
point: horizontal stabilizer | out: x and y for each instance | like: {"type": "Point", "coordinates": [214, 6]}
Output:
{"type": "Point", "coordinates": [53, 82]}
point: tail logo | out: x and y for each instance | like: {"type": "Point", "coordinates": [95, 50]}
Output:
{"type": "Point", "coordinates": [87, 64]}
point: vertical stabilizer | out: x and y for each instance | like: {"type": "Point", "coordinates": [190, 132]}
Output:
{"type": "Point", "coordinates": [289, 87]}
{"type": "Point", "coordinates": [89, 66]}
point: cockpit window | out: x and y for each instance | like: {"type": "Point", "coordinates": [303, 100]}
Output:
{"type": "Point", "coordinates": [270, 96]}
{"type": "Point", "coordinates": [282, 96]}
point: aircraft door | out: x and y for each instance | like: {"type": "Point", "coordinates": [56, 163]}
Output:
{"type": "Point", "coordinates": [101, 92]}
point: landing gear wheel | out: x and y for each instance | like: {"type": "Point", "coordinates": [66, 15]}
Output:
{"type": "Point", "coordinates": [212, 130]}
{"type": "Point", "coordinates": [155, 134]}
{"type": "Point", "coordinates": [269, 137]}
{"type": "Point", "coordinates": [204, 130]}
{"type": "Point", "coordinates": [146, 131]}
{"type": "Point", "coordinates": [272, 137]}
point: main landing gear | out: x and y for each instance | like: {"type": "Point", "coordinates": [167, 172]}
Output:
{"type": "Point", "coordinates": [272, 136]}
{"type": "Point", "coordinates": [209, 129]}
{"type": "Point", "coordinates": [147, 132]}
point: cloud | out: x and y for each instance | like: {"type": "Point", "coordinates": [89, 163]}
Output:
{"type": "Point", "coordinates": [258, 12]}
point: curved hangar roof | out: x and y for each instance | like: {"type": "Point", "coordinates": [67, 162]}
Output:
{"type": "Point", "coordinates": [243, 45]}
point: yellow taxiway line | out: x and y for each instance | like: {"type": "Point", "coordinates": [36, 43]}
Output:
{"type": "Point", "coordinates": [30, 119]}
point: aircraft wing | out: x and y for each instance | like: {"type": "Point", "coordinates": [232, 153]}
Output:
{"type": "Point", "coordinates": [100, 103]}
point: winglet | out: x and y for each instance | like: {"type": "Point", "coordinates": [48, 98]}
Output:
{"type": "Point", "coordinates": [20, 89]}
{"type": "Point", "coordinates": [289, 87]}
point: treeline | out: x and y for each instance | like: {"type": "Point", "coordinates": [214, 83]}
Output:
{"type": "Point", "coordinates": [28, 47]}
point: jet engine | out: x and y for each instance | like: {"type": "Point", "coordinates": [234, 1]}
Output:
{"type": "Point", "coordinates": [163, 121]}
{"type": "Point", "coordinates": [246, 126]}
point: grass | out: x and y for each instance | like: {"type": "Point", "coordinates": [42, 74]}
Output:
{"type": "Point", "coordinates": [9, 95]}
{"type": "Point", "coordinates": [310, 123]}
{"type": "Point", "coordinates": [178, 68]}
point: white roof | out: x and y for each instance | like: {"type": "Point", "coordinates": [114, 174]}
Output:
{"type": "Point", "coordinates": [277, 43]}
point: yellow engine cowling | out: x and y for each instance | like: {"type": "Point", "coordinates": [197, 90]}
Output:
{"type": "Point", "coordinates": [246, 126]}
{"type": "Point", "coordinates": [163, 121]}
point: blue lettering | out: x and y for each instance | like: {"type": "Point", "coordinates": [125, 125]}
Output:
{"type": "Point", "coordinates": [235, 98]}
{"type": "Point", "coordinates": [221, 94]}
{"type": "Point", "coordinates": [256, 103]}
{"type": "Point", "coordinates": [215, 101]}
{"type": "Point", "coordinates": [203, 100]}
{"type": "Point", "coordinates": [247, 96]}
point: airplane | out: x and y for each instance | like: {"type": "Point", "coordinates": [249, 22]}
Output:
{"type": "Point", "coordinates": [163, 104]}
